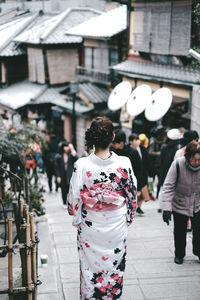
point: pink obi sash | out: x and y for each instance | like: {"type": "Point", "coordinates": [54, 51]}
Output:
{"type": "Point", "coordinates": [102, 196]}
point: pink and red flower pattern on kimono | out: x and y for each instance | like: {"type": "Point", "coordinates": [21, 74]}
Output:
{"type": "Point", "coordinates": [107, 288]}
{"type": "Point", "coordinates": [112, 187]}
{"type": "Point", "coordinates": [92, 191]}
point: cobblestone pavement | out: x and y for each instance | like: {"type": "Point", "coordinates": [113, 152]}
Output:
{"type": "Point", "coordinates": [150, 270]}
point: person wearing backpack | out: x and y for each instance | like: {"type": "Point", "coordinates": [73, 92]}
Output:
{"type": "Point", "coordinates": [189, 136]}
{"type": "Point", "coordinates": [181, 197]}
{"type": "Point", "coordinates": [168, 150]}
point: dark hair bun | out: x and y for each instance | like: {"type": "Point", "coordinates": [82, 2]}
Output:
{"type": "Point", "coordinates": [100, 133]}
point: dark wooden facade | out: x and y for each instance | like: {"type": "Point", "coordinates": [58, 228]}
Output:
{"type": "Point", "coordinates": [162, 27]}
{"type": "Point", "coordinates": [52, 65]}
{"type": "Point", "coordinates": [13, 69]}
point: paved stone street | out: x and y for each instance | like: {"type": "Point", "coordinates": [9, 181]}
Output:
{"type": "Point", "coordinates": [150, 271]}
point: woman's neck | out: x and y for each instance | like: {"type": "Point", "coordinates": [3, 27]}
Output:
{"type": "Point", "coordinates": [103, 153]}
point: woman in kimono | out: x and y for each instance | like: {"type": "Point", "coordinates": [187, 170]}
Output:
{"type": "Point", "coordinates": [102, 201]}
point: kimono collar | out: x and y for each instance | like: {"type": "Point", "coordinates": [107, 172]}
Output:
{"type": "Point", "coordinates": [103, 162]}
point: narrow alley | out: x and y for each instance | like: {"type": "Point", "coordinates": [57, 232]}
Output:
{"type": "Point", "coordinates": [150, 271]}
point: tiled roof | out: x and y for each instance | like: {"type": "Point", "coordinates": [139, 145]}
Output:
{"type": "Point", "coordinates": [106, 25]}
{"type": "Point", "coordinates": [3, 129]}
{"type": "Point", "coordinates": [52, 95]}
{"type": "Point", "coordinates": [79, 107]}
{"type": "Point", "coordinates": [94, 93]}
{"type": "Point", "coordinates": [12, 50]}
{"type": "Point", "coordinates": [19, 94]}
{"type": "Point", "coordinates": [7, 108]}
{"type": "Point", "coordinates": [9, 15]}
{"type": "Point", "coordinates": [49, 95]}
{"type": "Point", "coordinates": [162, 72]}
{"type": "Point", "coordinates": [52, 30]}
{"type": "Point", "coordinates": [9, 30]}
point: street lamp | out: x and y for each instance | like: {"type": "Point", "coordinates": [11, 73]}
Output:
{"type": "Point", "coordinates": [73, 89]}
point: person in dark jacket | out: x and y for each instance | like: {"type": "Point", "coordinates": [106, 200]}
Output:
{"type": "Point", "coordinates": [144, 156]}
{"type": "Point", "coordinates": [64, 165]}
{"type": "Point", "coordinates": [49, 154]}
{"type": "Point", "coordinates": [120, 147]}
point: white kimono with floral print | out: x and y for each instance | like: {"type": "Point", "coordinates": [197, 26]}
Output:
{"type": "Point", "coordinates": [102, 200]}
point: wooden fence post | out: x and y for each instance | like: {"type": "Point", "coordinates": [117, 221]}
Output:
{"type": "Point", "coordinates": [26, 190]}
{"type": "Point", "coordinates": [34, 260]}
{"type": "Point", "coordinates": [10, 259]}
{"type": "Point", "coordinates": [22, 239]}
{"type": "Point", "coordinates": [28, 262]}
{"type": "Point", "coordinates": [26, 212]}
{"type": "Point", "coordinates": [21, 207]}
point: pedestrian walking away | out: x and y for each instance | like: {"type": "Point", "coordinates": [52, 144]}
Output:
{"type": "Point", "coordinates": [181, 196]}
{"type": "Point", "coordinates": [189, 136]}
{"type": "Point", "coordinates": [157, 139]}
{"type": "Point", "coordinates": [168, 151]}
{"type": "Point", "coordinates": [120, 147]}
{"type": "Point", "coordinates": [102, 200]}
{"type": "Point", "coordinates": [143, 153]}
{"type": "Point", "coordinates": [64, 164]}
{"type": "Point", "coordinates": [49, 153]}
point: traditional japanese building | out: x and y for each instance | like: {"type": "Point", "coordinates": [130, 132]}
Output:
{"type": "Point", "coordinates": [158, 55]}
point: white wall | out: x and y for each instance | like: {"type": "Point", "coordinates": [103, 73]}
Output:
{"type": "Point", "coordinates": [195, 109]}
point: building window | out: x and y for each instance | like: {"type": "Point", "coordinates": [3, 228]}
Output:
{"type": "Point", "coordinates": [89, 58]}
{"type": "Point", "coordinates": [97, 58]}
{"type": "Point", "coordinates": [162, 28]}
{"type": "Point", "coordinates": [114, 57]}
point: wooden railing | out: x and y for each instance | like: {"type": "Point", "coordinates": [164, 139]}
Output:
{"type": "Point", "coordinates": [25, 241]}
{"type": "Point", "coordinates": [92, 75]}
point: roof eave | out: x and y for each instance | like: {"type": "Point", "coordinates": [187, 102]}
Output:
{"type": "Point", "coordinates": [27, 44]}
{"type": "Point", "coordinates": [85, 36]}
{"type": "Point", "coordinates": [78, 113]}
{"type": "Point", "coordinates": [136, 75]}
{"type": "Point", "coordinates": [11, 55]}
{"type": "Point", "coordinates": [31, 103]}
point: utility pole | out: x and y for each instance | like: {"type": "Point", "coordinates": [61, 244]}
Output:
{"type": "Point", "coordinates": [73, 90]}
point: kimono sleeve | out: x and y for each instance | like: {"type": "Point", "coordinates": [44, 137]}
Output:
{"type": "Point", "coordinates": [130, 192]}
{"type": "Point", "coordinates": [74, 198]}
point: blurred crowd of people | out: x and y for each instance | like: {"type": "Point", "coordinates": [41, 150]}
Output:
{"type": "Point", "coordinates": [152, 157]}
{"type": "Point", "coordinates": [51, 157]}
{"type": "Point", "coordinates": [173, 158]}
{"type": "Point", "coordinates": [166, 166]}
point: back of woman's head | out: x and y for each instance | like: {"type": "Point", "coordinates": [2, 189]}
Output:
{"type": "Point", "coordinates": [189, 136]}
{"type": "Point", "coordinates": [100, 134]}
{"type": "Point", "coordinates": [191, 149]}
